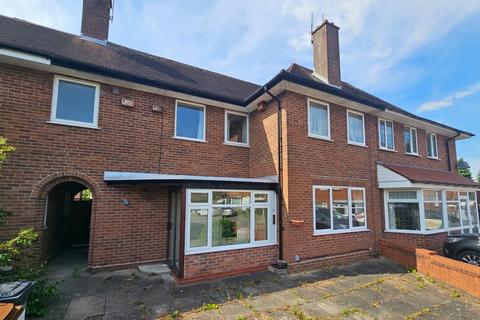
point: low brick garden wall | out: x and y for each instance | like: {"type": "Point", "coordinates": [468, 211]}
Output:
{"type": "Point", "coordinates": [455, 273]}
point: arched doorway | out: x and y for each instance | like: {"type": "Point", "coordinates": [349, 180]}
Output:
{"type": "Point", "coordinates": [67, 219]}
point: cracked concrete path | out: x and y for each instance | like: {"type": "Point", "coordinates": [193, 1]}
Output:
{"type": "Point", "coordinates": [373, 289]}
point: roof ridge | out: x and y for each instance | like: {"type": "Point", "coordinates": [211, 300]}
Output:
{"type": "Point", "coordinates": [39, 25]}
{"type": "Point", "coordinates": [110, 43]}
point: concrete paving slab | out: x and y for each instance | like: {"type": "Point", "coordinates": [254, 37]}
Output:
{"type": "Point", "coordinates": [86, 307]}
{"type": "Point", "coordinates": [158, 269]}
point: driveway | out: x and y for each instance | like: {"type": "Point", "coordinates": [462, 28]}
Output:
{"type": "Point", "coordinates": [373, 289]}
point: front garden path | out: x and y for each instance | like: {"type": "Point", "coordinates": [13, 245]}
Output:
{"type": "Point", "coordinates": [374, 289]}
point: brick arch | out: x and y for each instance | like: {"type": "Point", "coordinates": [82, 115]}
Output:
{"type": "Point", "coordinates": [44, 186]}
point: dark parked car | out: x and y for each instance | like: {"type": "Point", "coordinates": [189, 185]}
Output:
{"type": "Point", "coordinates": [463, 247]}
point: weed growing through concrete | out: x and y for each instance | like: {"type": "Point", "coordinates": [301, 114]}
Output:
{"type": "Point", "coordinates": [349, 311]}
{"type": "Point", "coordinates": [209, 306]}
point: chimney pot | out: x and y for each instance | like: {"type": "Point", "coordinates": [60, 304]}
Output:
{"type": "Point", "coordinates": [96, 19]}
{"type": "Point", "coordinates": [326, 53]}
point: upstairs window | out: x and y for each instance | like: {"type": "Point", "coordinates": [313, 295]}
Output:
{"type": "Point", "coordinates": [385, 131]}
{"type": "Point", "coordinates": [75, 102]}
{"type": "Point", "coordinates": [432, 147]}
{"type": "Point", "coordinates": [318, 120]}
{"type": "Point", "coordinates": [356, 128]}
{"type": "Point", "coordinates": [410, 140]}
{"type": "Point", "coordinates": [236, 128]}
{"type": "Point", "coordinates": [190, 121]}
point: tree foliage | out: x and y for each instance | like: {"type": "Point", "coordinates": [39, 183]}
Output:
{"type": "Point", "coordinates": [463, 169]}
{"type": "Point", "coordinates": [4, 149]}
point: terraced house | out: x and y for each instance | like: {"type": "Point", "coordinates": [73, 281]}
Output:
{"type": "Point", "coordinates": [149, 160]}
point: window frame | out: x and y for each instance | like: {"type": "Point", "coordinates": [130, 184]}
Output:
{"type": "Point", "coordinates": [314, 135]}
{"type": "Point", "coordinates": [429, 136]}
{"type": "Point", "coordinates": [380, 135]}
{"type": "Point", "coordinates": [96, 106]}
{"type": "Point", "coordinates": [410, 129]}
{"type": "Point", "coordinates": [271, 221]}
{"type": "Point", "coordinates": [194, 105]}
{"type": "Point", "coordinates": [421, 202]}
{"type": "Point", "coordinates": [364, 144]}
{"type": "Point", "coordinates": [349, 195]}
{"type": "Point", "coordinates": [227, 128]}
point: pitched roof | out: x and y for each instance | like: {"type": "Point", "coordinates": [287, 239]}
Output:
{"type": "Point", "coordinates": [369, 99]}
{"type": "Point", "coordinates": [68, 50]}
{"type": "Point", "coordinates": [430, 176]}
{"type": "Point", "coordinates": [65, 48]}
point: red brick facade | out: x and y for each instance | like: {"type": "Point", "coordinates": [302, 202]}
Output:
{"type": "Point", "coordinates": [139, 139]}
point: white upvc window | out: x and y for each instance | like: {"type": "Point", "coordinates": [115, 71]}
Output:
{"type": "Point", "coordinates": [236, 128]}
{"type": "Point", "coordinates": [318, 119]}
{"type": "Point", "coordinates": [356, 128]}
{"type": "Point", "coordinates": [432, 145]}
{"type": "Point", "coordinates": [386, 135]}
{"type": "Point", "coordinates": [219, 220]}
{"type": "Point", "coordinates": [189, 121]}
{"type": "Point", "coordinates": [427, 211]}
{"type": "Point", "coordinates": [75, 102]}
{"type": "Point", "coordinates": [338, 209]}
{"type": "Point", "coordinates": [410, 140]}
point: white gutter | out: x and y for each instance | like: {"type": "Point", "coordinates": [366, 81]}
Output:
{"type": "Point", "coordinates": [116, 176]}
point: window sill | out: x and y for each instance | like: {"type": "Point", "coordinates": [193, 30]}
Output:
{"type": "Point", "coordinates": [233, 144]}
{"type": "Point", "coordinates": [389, 150]}
{"type": "Point", "coordinates": [320, 138]}
{"type": "Point", "coordinates": [189, 139]}
{"type": "Point", "coordinates": [229, 248]}
{"type": "Point", "coordinates": [432, 158]}
{"type": "Point", "coordinates": [70, 124]}
{"type": "Point", "coordinates": [323, 233]}
{"type": "Point", "coordinates": [358, 144]}
{"type": "Point", "coordinates": [417, 231]}
{"type": "Point", "coordinates": [413, 154]}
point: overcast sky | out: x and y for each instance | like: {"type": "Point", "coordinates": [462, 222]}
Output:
{"type": "Point", "coordinates": [420, 55]}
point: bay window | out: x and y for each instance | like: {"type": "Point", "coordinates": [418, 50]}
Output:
{"type": "Point", "coordinates": [427, 211]}
{"type": "Point", "coordinates": [338, 209]}
{"type": "Point", "coordinates": [229, 219]}
{"type": "Point", "coordinates": [403, 210]}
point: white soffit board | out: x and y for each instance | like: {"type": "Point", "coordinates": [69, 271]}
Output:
{"type": "Point", "coordinates": [9, 53]}
{"type": "Point", "coordinates": [112, 176]}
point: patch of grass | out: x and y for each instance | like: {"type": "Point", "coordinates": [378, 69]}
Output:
{"type": "Point", "coordinates": [209, 306]}
{"type": "Point", "coordinates": [411, 270]}
{"type": "Point", "coordinates": [454, 294]}
{"type": "Point", "coordinates": [418, 314]}
{"type": "Point", "coordinates": [174, 315]}
{"type": "Point", "coordinates": [299, 314]}
{"type": "Point", "coordinates": [372, 283]}
{"type": "Point", "coordinates": [242, 318]}
{"type": "Point", "coordinates": [349, 311]}
{"type": "Point", "coordinates": [239, 295]}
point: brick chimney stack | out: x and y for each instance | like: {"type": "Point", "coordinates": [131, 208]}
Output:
{"type": "Point", "coordinates": [326, 53]}
{"type": "Point", "coordinates": [96, 19]}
